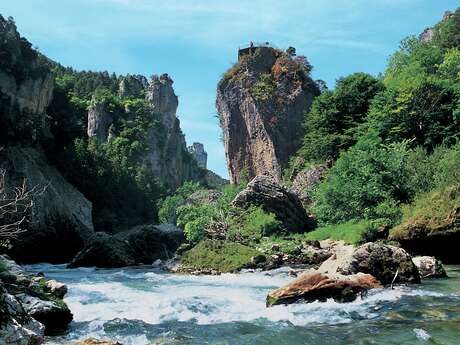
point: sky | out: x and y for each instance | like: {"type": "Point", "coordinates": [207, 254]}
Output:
{"type": "Point", "coordinates": [196, 41]}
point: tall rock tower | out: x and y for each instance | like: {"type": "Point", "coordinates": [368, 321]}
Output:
{"type": "Point", "coordinates": [261, 103]}
{"type": "Point", "coordinates": [200, 155]}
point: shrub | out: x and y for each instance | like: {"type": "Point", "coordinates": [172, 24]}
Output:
{"type": "Point", "coordinates": [352, 232]}
{"type": "Point", "coordinates": [264, 89]}
{"type": "Point", "coordinates": [168, 206]}
{"type": "Point", "coordinates": [367, 182]}
{"type": "Point", "coordinates": [194, 219]}
{"type": "Point", "coordinates": [223, 256]}
{"type": "Point", "coordinates": [252, 224]}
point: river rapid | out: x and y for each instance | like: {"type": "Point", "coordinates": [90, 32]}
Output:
{"type": "Point", "coordinates": [145, 306]}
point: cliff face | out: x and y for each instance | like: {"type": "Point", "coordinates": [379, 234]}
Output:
{"type": "Point", "coordinates": [60, 219]}
{"type": "Point", "coordinates": [199, 154]}
{"type": "Point", "coordinates": [261, 103]}
{"type": "Point", "coordinates": [166, 155]}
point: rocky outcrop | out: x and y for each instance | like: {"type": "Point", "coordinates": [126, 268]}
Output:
{"type": "Point", "coordinates": [166, 156]}
{"type": "Point", "coordinates": [386, 263]}
{"type": "Point", "coordinates": [141, 245]}
{"type": "Point", "coordinates": [428, 34]}
{"type": "Point", "coordinates": [60, 219]}
{"type": "Point", "coordinates": [132, 86]}
{"type": "Point", "coordinates": [28, 307]}
{"type": "Point", "coordinates": [429, 267]}
{"type": "Point", "coordinates": [315, 286]}
{"type": "Point", "coordinates": [265, 192]}
{"type": "Point", "coordinates": [199, 154]}
{"type": "Point", "coordinates": [433, 235]}
{"type": "Point", "coordinates": [26, 88]}
{"type": "Point", "coordinates": [306, 181]}
{"type": "Point", "coordinates": [99, 122]}
{"type": "Point", "coordinates": [261, 103]}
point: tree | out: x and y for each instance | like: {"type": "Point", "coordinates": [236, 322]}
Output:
{"type": "Point", "coordinates": [334, 118]}
{"type": "Point", "coordinates": [14, 206]}
{"type": "Point", "coordinates": [367, 182]}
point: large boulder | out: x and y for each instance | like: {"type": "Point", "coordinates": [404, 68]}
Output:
{"type": "Point", "coordinates": [29, 306]}
{"type": "Point", "coordinates": [140, 245]}
{"type": "Point", "coordinates": [53, 314]}
{"type": "Point", "coordinates": [386, 263]}
{"type": "Point", "coordinates": [104, 250]}
{"type": "Point", "coordinates": [265, 192]}
{"type": "Point", "coordinates": [16, 326]}
{"type": "Point", "coordinates": [429, 267]}
{"type": "Point", "coordinates": [313, 285]}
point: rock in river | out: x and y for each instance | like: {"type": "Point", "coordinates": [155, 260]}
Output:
{"type": "Point", "coordinates": [429, 267]}
{"type": "Point", "coordinates": [313, 285]}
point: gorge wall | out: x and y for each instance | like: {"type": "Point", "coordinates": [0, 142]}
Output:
{"type": "Point", "coordinates": [261, 103]}
{"type": "Point", "coordinates": [104, 148]}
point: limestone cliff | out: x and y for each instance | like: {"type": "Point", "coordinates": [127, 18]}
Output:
{"type": "Point", "coordinates": [167, 155]}
{"type": "Point", "coordinates": [60, 219]}
{"type": "Point", "coordinates": [199, 154]}
{"type": "Point", "coordinates": [261, 103]}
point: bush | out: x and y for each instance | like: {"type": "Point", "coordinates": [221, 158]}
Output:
{"type": "Point", "coordinates": [352, 232]}
{"type": "Point", "coordinates": [168, 206]}
{"type": "Point", "coordinates": [223, 256]}
{"type": "Point", "coordinates": [367, 182]}
{"type": "Point", "coordinates": [194, 219]}
{"type": "Point", "coordinates": [251, 225]}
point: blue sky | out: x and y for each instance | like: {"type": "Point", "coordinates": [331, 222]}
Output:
{"type": "Point", "coordinates": [195, 41]}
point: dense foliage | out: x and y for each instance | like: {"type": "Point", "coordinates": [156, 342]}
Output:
{"type": "Point", "coordinates": [123, 190]}
{"type": "Point", "coordinates": [390, 139]}
{"type": "Point", "coordinates": [333, 121]}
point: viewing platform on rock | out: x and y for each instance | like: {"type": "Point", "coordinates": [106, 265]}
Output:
{"type": "Point", "coordinates": [251, 48]}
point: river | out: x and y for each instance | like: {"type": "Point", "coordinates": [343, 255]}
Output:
{"type": "Point", "coordinates": [144, 306]}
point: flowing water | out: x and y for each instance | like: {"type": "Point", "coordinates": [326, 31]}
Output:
{"type": "Point", "coordinates": [140, 306]}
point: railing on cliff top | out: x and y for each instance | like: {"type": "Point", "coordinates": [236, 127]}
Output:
{"type": "Point", "coordinates": [256, 45]}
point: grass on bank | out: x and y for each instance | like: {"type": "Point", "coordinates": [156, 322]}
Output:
{"type": "Point", "coordinates": [219, 255]}
{"type": "Point", "coordinates": [430, 210]}
{"type": "Point", "coordinates": [352, 232]}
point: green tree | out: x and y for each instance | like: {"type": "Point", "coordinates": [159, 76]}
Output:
{"type": "Point", "coordinates": [334, 119]}
{"type": "Point", "coordinates": [367, 182]}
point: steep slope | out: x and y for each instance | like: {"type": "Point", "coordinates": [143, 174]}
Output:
{"type": "Point", "coordinates": [261, 103]}
{"type": "Point", "coordinates": [60, 219]}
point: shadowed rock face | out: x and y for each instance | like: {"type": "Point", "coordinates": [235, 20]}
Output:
{"type": "Point", "coordinates": [261, 102]}
{"type": "Point", "coordinates": [140, 245]}
{"type": "Point", "coordinates": [265, 192]}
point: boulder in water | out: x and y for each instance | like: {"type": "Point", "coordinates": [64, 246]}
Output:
{"type": "Point", "coordinates": [382, 261]}
{"type": "Point", "coordinates": [429, 267]}
{"type": "Point", "coordinates": [140, 245]}
{"type": "Point", "coordinates": [313, 285]}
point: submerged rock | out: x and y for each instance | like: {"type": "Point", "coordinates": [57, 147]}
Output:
{"type": "Point", "coordinates": [92, 341]}
{"type": "Point", "coordinates": [140, 245]}
{"type": "Point", "coordinates": [313, 285]}
{"type": "Point", "coordinates": [429, 267]}
{"type": "Point", "coordinates": [265, 192]}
